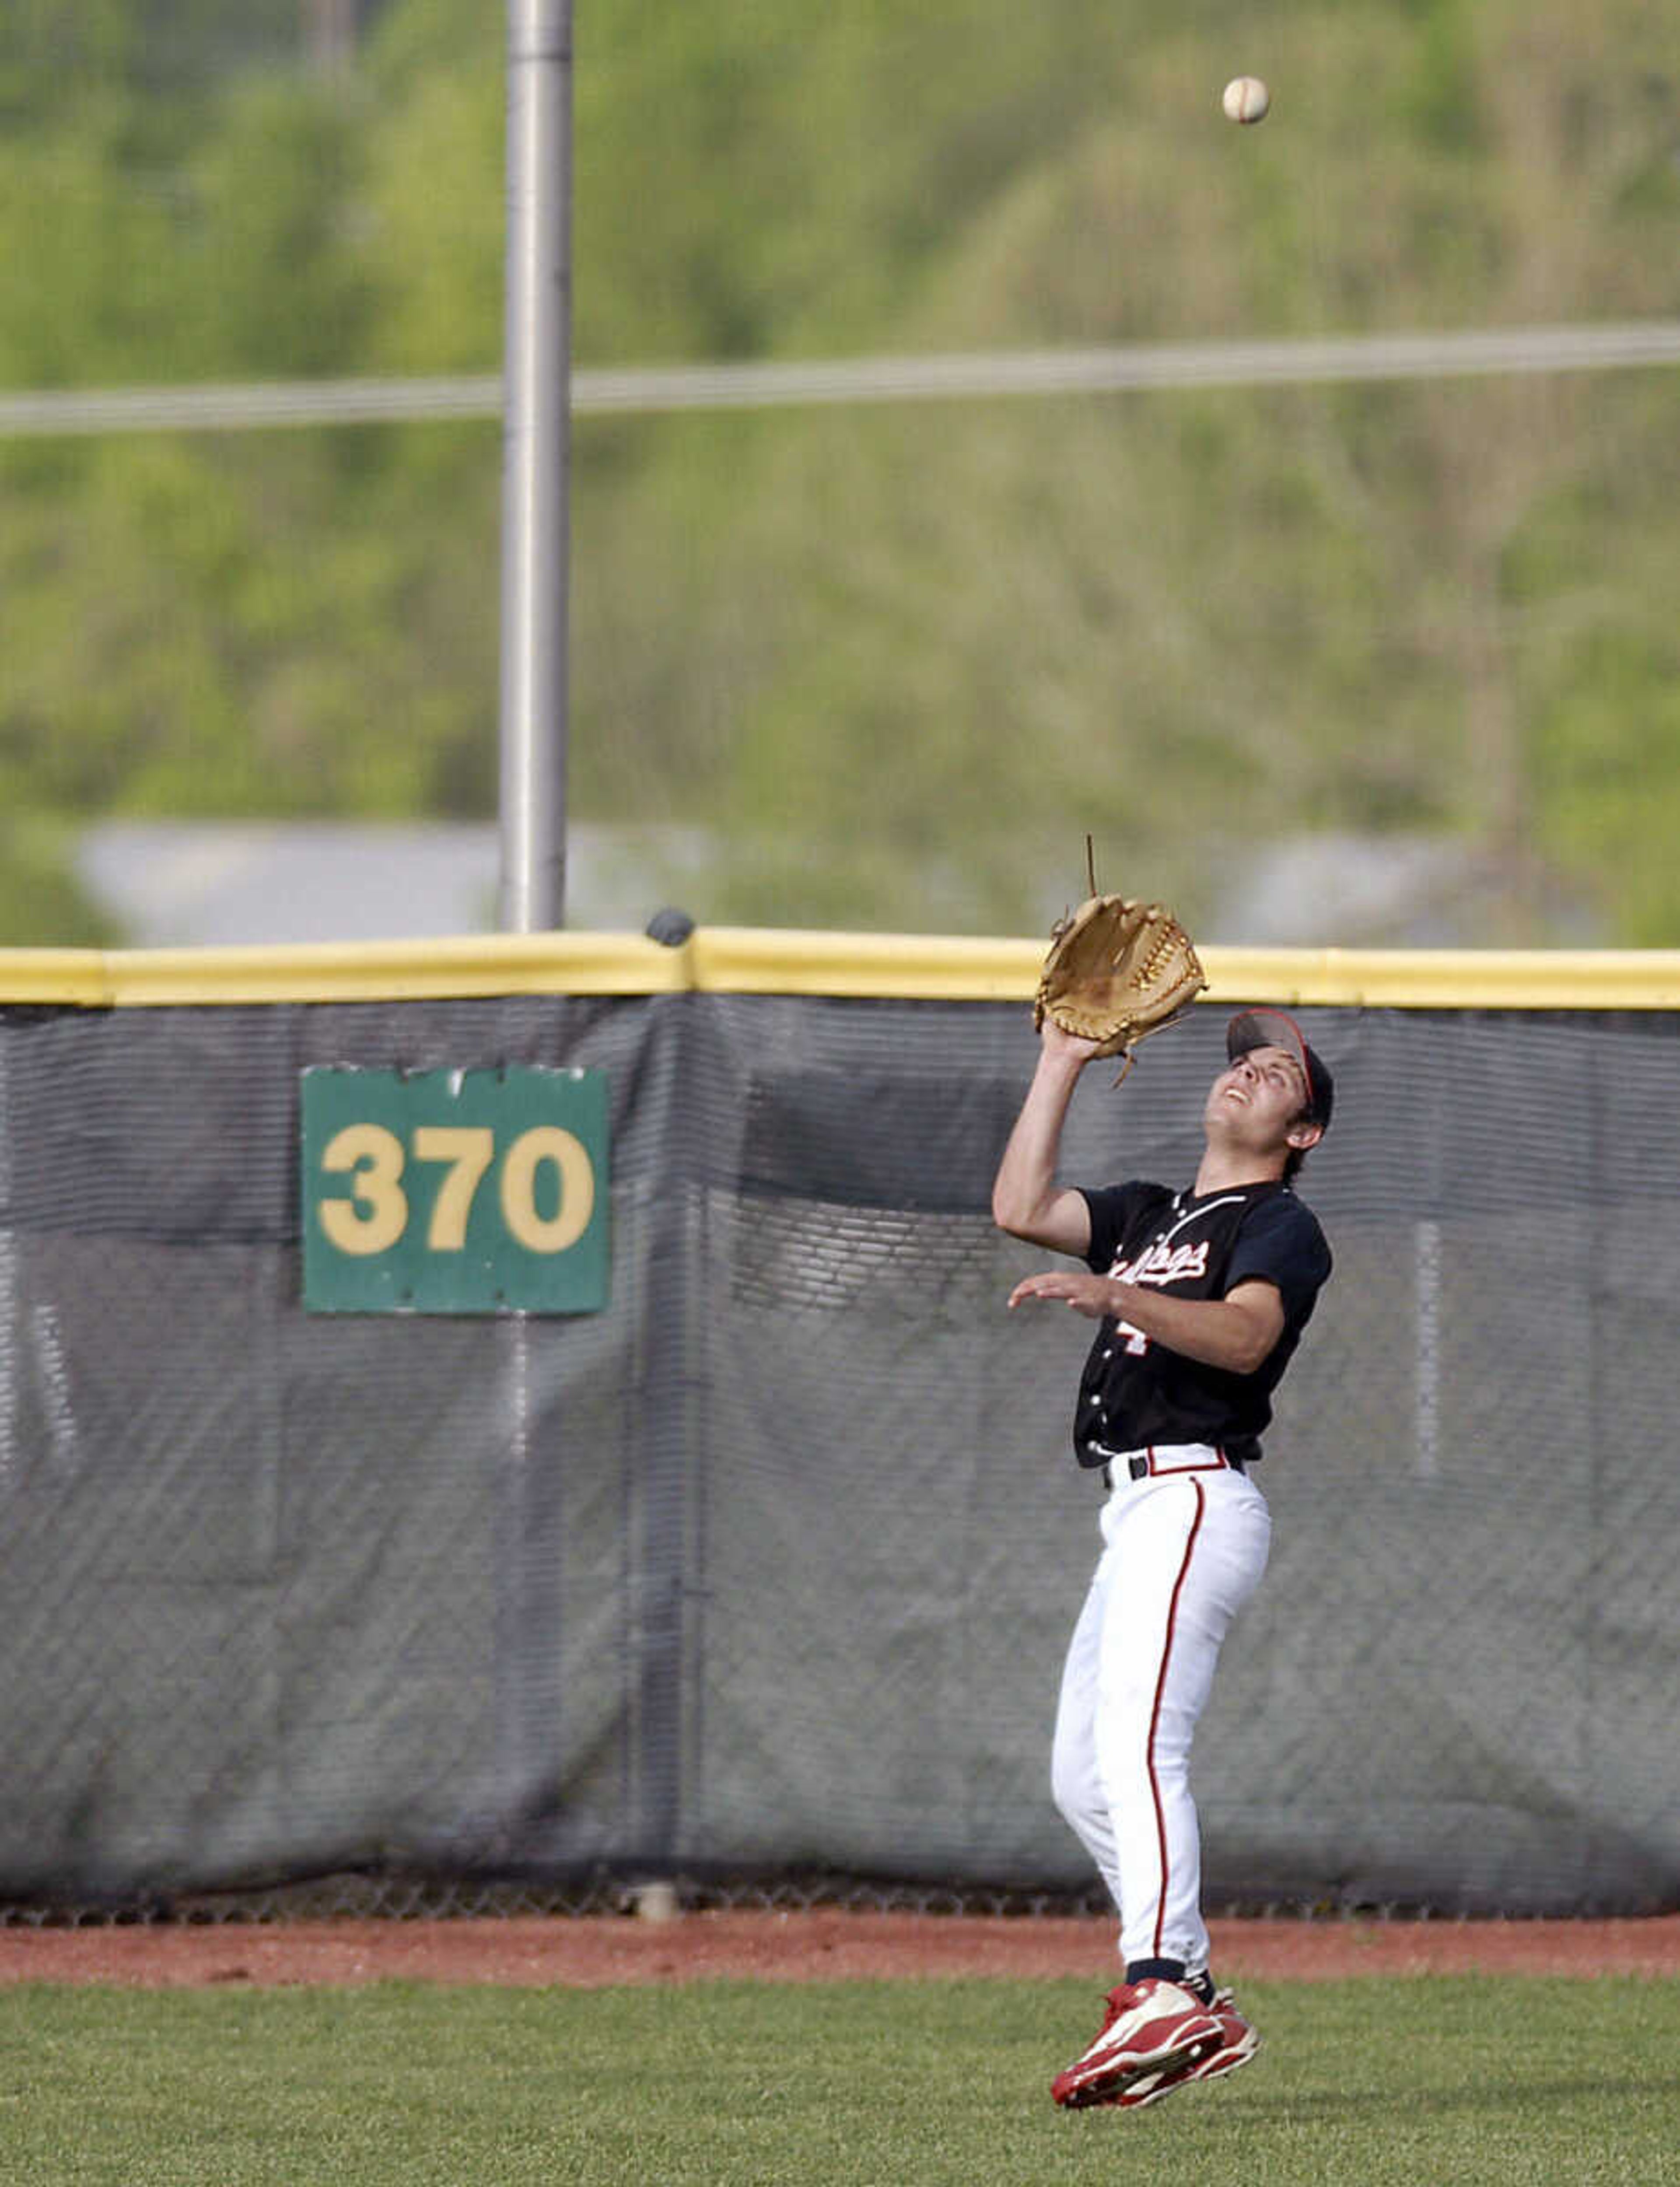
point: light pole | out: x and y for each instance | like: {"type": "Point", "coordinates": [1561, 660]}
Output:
{"type": "Point", "coordinates": [536, 422]}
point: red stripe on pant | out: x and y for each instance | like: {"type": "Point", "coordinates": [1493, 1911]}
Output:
{"type": "Point", "coordinates": [1155, 1714]}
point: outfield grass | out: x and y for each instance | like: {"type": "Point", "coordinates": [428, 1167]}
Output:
{"type": "Point", "coordinates": [1560, 2084]}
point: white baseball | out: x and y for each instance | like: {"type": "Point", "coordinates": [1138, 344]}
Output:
{"type": "Point", "coordinates": [1246, 100]}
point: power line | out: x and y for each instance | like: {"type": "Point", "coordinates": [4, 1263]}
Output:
{"type": "Point", "coordinates": [974, 376]}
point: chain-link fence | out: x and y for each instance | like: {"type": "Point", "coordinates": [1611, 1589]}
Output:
{"type": "Point", "coordinates": [759, 1579]}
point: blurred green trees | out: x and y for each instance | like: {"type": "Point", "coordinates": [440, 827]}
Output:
{"type": "Point", "coordinates": [898, 660]}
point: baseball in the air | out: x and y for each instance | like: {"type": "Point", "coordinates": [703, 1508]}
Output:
{"type": "Point", "coordinates": [1246, 100]}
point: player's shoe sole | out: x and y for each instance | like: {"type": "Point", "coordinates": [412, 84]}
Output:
{"type": "Point", "coordinates": [1159, 2076]}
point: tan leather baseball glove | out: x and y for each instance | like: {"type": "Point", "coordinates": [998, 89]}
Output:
{"type": "Point", "coordinates": [1117, 971]}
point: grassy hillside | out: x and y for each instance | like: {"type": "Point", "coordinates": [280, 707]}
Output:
{"type": "Point", "coordinates": [899, 659]}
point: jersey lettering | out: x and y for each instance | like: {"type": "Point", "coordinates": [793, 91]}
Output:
{"type": "Point", "coordinates": [1160, 1264]}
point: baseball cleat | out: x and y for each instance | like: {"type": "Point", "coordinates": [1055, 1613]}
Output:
{"type": "Point", "coordinates": [1238, 2045]}
{"type": "Point", "coordinates": [1151, 2029]}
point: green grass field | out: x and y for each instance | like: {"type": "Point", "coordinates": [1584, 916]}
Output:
{"type": "Point", "coordinates": [1367, 2083]}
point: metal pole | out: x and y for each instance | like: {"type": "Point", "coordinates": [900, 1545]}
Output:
{"type": "Point", "coordinates": [537, 417]}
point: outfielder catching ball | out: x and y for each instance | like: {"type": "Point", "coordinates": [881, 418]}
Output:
{"type": "Point", "coordinates": [1200, 1296]}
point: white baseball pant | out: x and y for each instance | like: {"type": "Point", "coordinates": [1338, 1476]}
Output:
{"type": "Point", "coordinates": [1183, 1549]}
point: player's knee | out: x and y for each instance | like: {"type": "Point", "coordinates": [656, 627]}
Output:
{"type": "Point", "coordinates": [1076, 1788]}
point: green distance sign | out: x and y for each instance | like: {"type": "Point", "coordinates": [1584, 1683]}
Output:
{"type": "Point", "coordinates": [455, 1191]}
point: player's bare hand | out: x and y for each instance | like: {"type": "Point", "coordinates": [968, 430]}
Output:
{"type": "Point", "coordinates": [1086, 1294]}
{"type": "Point", "coordinates": [1067, 1046]}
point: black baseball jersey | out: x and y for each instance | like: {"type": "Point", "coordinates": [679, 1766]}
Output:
{"type": "Point", "coordinates": [1135, 1391]}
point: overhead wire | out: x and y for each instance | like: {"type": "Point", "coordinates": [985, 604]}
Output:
{"type": "Point", "coordinates": [252, 406]}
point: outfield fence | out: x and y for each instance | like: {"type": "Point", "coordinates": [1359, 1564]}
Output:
{"type": "Point", "coordinates": [757, 1577]}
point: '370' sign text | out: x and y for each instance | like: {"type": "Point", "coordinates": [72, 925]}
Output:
{"type": "Point", "coordinates": [454, 1191]}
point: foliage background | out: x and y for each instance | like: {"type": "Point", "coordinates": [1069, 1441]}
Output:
{"type": "Point", "coordinates": [893, 661]}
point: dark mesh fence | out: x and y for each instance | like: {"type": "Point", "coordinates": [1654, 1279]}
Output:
{"type": "Point", "coordinates": [765, 1572]}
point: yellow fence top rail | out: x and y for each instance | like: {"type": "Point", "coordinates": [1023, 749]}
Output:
{"type": "Point", "coordinates": [750, 960]}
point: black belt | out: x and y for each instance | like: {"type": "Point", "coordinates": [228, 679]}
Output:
{"type": "Point", "coordinates": [1138, 1467]}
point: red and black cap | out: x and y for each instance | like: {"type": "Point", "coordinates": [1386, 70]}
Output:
{"type": "Point", "coordinates": [1268, 1028]}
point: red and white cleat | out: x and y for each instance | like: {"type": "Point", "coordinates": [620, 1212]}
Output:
{"type": "Point", "coordinates": [1237, 2044]}
{"type": "Point", "coordinates": [1153, 2029]}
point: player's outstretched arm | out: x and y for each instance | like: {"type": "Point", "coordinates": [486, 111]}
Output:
{"type": "Point", "coordinates": [1026, 1200]}
{"type": "Point", "coordinates": [1236, 1333]}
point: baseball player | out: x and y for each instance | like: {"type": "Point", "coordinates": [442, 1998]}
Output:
{"type": "Point", "coordinates": [1200, 1296]}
